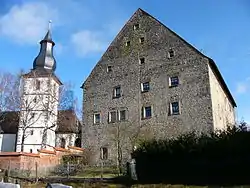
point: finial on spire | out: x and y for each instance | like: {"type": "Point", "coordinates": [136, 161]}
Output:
{"type": "Point", "coordinates": [49, 25]}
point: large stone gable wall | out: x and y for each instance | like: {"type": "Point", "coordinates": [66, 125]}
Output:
{"type": "Point", "coordinates": [193, 93]}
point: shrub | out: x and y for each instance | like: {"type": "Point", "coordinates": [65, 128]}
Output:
{"type": "Point", "coordinates": [217, 157]}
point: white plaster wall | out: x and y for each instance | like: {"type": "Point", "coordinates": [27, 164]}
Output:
{"type": "Point", "coordinates": [69, 138]}
{"type": "Point", "coordinates": [223, 110]}
{"type": "Point", "coordinates": [45, 109]}
{"type": "Point", "coordinates": [8, 142]}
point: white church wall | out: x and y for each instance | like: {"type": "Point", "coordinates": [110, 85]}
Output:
{"type": "Point", "coordinates": [69, 139]}
{"type": "Point", "coordinates": [51, 138]}
{"type": "Point", "coordinates": [44, 105]}
{"type": "Point", "coordinates": [32, 142]}
{"type": "Point", "coordinates": [8, 142]}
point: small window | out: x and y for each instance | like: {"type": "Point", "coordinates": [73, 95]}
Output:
{"type": "Point", "coordinates": [104, 153]}
{"type": "Point", "coordinates": [31, 132]}
{"type": "Point", "coordinates": [142, 60]}
{"type": "Point", "coordinates": [145, 87]}
{"type": "Point", "coordinates": [54, 89]}
{"type": "Point", "coordinates": [117, 92]}
{"type": "Point", "coordinates": [122, 115]}
{"type": "Point", "coordinates": [38, 84]}
{"type": "Point", "coordinates": [171, 53]}
{"type": "Point", "coordinates": [174, 108]}
{"type": "Point", "coordinates": [142, 40]}
{"type": "Point", "coordinates": [136, 26]}
{"type": "Point", "coordinates": [97, 118]}
{"type": "Point", "coordinates": [147, 112]}
{"type": "Point", "coordinates": [35, 100]}
{"type": "Point", "coordinates": [173, 81]}
{"type": "Point", "coordinates": [63, 143]}
{"type": "Point", "coordinates": [31, 151]}
{"type": "Point", "coordinates": [128, 43]}
{"type": "Point", "coordinates": [109, 68]}
{"type": "Point", "coordinates": [112, 116]}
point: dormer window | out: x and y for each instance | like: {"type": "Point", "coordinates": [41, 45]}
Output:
{"type": "Point", "coordinates": [136, 26]}
{"type": "Point", "coordinates": [128, 43]}
{"type": "Point", "coordinates": [171, 53]}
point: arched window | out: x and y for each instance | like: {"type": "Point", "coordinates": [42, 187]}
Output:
{"type": "Point", "coordinates": [78, 142]}
{"type": "Point", "coordinates": [63, 142]}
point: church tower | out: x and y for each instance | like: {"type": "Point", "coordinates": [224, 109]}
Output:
{"type": "Point", "coordinates": [39, 102]}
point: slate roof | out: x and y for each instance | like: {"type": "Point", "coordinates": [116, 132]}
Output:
{"type": "Point", "coordinates": [67, 122]}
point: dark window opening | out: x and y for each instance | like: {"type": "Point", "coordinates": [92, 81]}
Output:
{"type": "Point", "coordinates": [31, 151]}
{"type": "Point", "coordinates": [142, 40]}
{"type": "Point", "coordinates": [142, 60]}
{"type": "Point", "coordinates": [31, 132]}
{"type": "Point", "coordinates": [112, 116]}
{"type": "Point", "coordinates": [122, 115]}
{"type": "Point", "coordinates": [38, 84]}
{"type": "Point", "coordinates": [147, 112]}
{"type": "Point", "coordinates": [104, 153]}
{"type": "Point", "coordinates": [174, 81]}
{"type": "Point", "coordinates": [78, 142]}
{"type": "Point", "coordinates": [109, 69]}
{"type": "Point", "coordinates": [128, 43]}
{"type": "Point", "coordinates": [145, 87]}
{"type": "Point", "coordinates": [175, 108]}
{"type": "Point", "coordinates": [35, 100]}
{"type": "Point", "coordinates": [136, 26]}
{"type": "Point", "coordinates": [117, 92]}
{"type": "Point", "coordinates": [63, 143]}
{"type": "Point", "coordinates": [171, 53]}
{"type": "Point", "coordinates": [97, 118]}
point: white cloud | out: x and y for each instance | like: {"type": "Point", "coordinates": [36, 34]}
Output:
{"type": "Point", "coordinates": [88, 42]}
{"type": "Point", "coordinates": [27, 23]}
{"type": "Point", "coordinates": [241, 88]}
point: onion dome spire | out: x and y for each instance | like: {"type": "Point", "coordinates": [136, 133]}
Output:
{"type": "Point", "coordinates": [45, 58]}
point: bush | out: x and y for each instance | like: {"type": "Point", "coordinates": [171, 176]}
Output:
{"type": "Point", "coordinates": [216, 158]}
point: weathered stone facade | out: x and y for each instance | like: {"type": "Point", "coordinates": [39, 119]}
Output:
{"type": "Point", "coordinates": [122, 65]}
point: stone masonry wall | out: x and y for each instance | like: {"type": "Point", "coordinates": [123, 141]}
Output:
{"type": "Point", "coordinates": [193, 92]}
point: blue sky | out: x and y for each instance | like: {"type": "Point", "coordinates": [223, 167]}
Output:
{"type": "Point", "coordinates": [82, 30]}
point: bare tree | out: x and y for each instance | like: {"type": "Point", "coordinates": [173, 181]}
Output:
{"type": "Point", "coordinates": [9, 93]}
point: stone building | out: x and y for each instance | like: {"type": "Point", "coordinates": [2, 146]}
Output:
{"type": "Point", "coordinates": [39, 125]}
{"type": "Point", "coordinates": [151, 83]}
